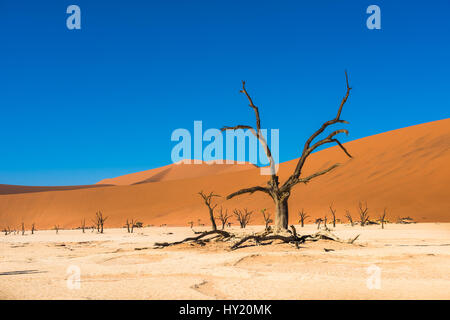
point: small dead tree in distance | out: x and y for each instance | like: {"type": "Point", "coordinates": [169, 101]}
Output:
{"type": "Point", "coordinates": [318, 221]}
{"type": "Point", "coordinates": [130, 225]}
{"type": "Point", "coordinates": [96, 225]}
{"type": "Point", "coordinates": [83, 225]}
{"type": "Point", "coordinates": [207, 198]}
{"type": "Point", "coordinates": [363, 213]}
{"type": "Point", "coordinates": [243, 217]}
{"type": "Point", "coordinates": [333, 213]}
{"type": "Point", "coordinates": [33, 228]}
{"type": "Point", "coordinates": [349, 217]}
{"type": "Point", "coordinates": [280, 193]}
{"type": "Point", "coordinates": [56, 228]}
{"type": "Point", "coordinates": [23, 228]}
{"type": "Point", "coordinates": [303, 216]}
{"type": "Point", "coordinates": [267, 218]}
{"type": "Point", "coordinates": [7, 230]}
{"type": "Point", "coordinates": [382, 218]}
{"type": "Point", "coordinates": [100, 221]}
{"type": "Point", "coordinates": [223, 217]}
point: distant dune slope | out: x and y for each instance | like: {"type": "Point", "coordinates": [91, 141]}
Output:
{"type": "Point", "coordinates": [12, 189]}
{"type": "Point", "coordinates": [176, 171]}
{"type": "Point", "coordinates": [406, 170]}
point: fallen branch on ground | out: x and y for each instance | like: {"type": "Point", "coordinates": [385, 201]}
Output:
{"type": "Point", "coordinates": [197, 239]}
{"type": "Point", "coordinates": [263, 238]}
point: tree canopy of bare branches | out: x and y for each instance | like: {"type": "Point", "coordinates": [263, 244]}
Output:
{"type": "Point", "coordinates": [99, 221]}
{"type": "Point", "coordinates": [267, 218]}
{"type": "Point", "coordinates": [223, 217]}
{"type": "Point", "coordinates": [281, 193]}
{"type": "Point", "coordinates": [363, 213]}
{"type": "Point", "coordinates": [303, 216]}
{"type": "Point", "coordinates": [243, 216]}
{"type": "Point", "coordinates": [349, 217]}
{"type": "Point", "coordinates": [207, 198]}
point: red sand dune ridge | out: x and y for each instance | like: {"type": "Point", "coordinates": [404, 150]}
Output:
{"type": "Point", "coordinates": [405, 170]}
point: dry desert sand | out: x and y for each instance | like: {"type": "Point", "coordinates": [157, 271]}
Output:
{"type": "Point", "coordinates": [413, 261]}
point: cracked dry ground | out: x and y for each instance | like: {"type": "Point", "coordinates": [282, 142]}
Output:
{"type": "Point", "coordinates": [413, 262]}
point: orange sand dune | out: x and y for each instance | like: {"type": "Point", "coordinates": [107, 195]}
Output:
{"type": "Point", "coordinates": [406, 170]}
{"type": "Point", "coordinates": [176, 171]}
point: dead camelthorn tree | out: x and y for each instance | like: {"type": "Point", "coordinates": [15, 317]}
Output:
{"type": "Point", "coordinates": [96, 225]}
{"type": "Point", "coordinates": [56, 228]}
{"type": "Point", "coordinates": [83, 225]}
{"type": "Point", "coordinates": [267, 218]}
{"type": "Point", "coordinates": [382, 218]}
{"type": "Point", "coordinates": [280, 193]}
{"type": "Point", "coordinates": [243, 217]}
{"type": "Point", "coordinates": [33, 228]}
{"type": "Point", "coordinates": [333, 213]}
{"type": "Point", "coordinates": [23, 228]}
{"type": "Point", "coordinates": [302, 214]}
{"type": "Point", "coordinates": [99, 221]}
{"type": "Point", "coordinates": [349, 217]}
{"type": "Point", "coordinates": [363, 213]}
{"type": "Point", "coordinates": [318, 221]}
{"type": "Point", "coordinates": [130, 225]}
{"type": "Point", "coordinates": [223, 217]}
{"type": "Point", "coordinates": [208, 198]}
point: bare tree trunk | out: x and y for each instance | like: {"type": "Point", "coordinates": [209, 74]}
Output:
{"type": "Point", "coordinates": [208, 198]}
{"type": "Point", "coordinates": [213, 222]}
{"type": "Point", "coordinates": [281, 214]}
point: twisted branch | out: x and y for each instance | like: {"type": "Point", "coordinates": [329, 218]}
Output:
{"type": "Point", "coordinates": [308, 149]}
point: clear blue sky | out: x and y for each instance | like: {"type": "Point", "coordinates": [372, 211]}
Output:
{"type": "Point", "coordinates": [81, 105]}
